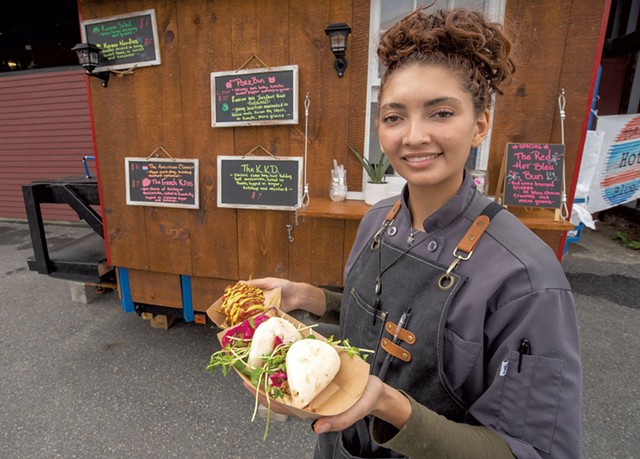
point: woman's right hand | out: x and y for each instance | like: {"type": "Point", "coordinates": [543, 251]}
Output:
{"type": "Point", "coordinates": [294, 295]}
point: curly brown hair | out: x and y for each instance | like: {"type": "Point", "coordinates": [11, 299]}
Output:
{"type": "Point", "coordinates": [462, 40]}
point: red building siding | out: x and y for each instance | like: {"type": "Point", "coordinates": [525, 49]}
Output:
{"type": "Point", "coordinates": [45, 130]}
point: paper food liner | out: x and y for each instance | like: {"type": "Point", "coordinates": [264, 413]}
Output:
{"type": "Point", "coordinates": [271, 299]}
{"type": "Point", "coordinates": [341, 393]}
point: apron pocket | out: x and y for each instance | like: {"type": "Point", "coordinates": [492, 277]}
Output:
{"type": "Point", "coordinates": [359, 315]}
{"type": "Point", "coordinates": [530, 399]}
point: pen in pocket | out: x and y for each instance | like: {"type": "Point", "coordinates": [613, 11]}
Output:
{"type": "Point", "coordinates": [525, 349]}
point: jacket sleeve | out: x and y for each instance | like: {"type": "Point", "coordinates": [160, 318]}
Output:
{"type": "Point", "coordinates": [531, 405]}
{"type": "Point", "coordinates": [427, 434]}
{"type": "Point", "coordinates": [533, 393]}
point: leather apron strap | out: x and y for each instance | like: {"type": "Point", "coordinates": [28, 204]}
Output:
{"type": "Point", "coordinates": [464, 249]}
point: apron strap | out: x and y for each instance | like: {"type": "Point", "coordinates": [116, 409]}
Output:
{"type": "Point", "coordinates": [391, 215]}
{"type": "Point", "coordinates": [477, 229]}
{"type": "Point", "coordinates": [393, 211]}
{"type": "Point", "coordinates": [464, 249]}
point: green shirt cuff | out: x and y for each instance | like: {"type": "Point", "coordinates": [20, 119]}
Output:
{"type": "Point", "coordinates": [428, 434]}
{"type": "Point", "coordinates": [332, 313]}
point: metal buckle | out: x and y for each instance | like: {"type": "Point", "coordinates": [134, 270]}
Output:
{"type": "Point", "coordinates": [377, 238]}
{"type": "Point", "coordinates": [445, 282]}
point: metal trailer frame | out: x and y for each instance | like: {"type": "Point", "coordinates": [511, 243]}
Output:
{"type": "Point", "coordinates": [82, 260]}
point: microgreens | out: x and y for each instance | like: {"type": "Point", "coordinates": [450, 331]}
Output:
{"type": "Point", "coordinates": [271, 377]}
{"type": "Point", "coordinates": [352, 351]}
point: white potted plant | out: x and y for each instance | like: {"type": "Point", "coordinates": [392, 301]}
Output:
{"type": "Point", "coordinates": [377, 187]}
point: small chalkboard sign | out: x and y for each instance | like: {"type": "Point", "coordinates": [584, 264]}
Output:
{"type": "Point", "coordinates": [260, 182]}
{"type": "Point", "coordinates": [534, 174]}
{"type": "Point", "coordinates": [125, 40]}
{"type": "Point", "coordinates": [162, 182]}
{"type": "Point", "coordinates": [255, 97]}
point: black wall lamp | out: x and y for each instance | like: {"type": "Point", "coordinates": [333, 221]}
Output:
{"type": "Point", "coordinates": [89, 57]}
{"type": "Point", "coordinates": [338, 35]}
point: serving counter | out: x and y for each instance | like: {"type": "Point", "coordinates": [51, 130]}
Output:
{"type": "Point", "coordinates": [534, 219]}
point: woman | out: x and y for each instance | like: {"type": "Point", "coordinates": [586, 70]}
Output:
{"type": "Point", "coordinates": [487, 361]}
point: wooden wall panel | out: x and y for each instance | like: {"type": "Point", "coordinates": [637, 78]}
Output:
{"type": "Point", "coordinates": [159, 289]}
{"type": "Point", "coordinates": [557, 47]}
{"type": "Point", "coordinates": [116, 115]}
{"type": "Point", "coordinates": [160, 124]}
{"type": "Point", "coordinates": [134, 115]}
{"type": "Point", "coordinates": [205, 31]}
{"type": "Point", "coordinates": [169, 240]}
{"type": "Point", "coordinates": [205, 291]}
{"type": "Point", "coordinates": [262, 243]}
{"type": "Point", "coordinates": [328, 95]}
{"type": "Point", "coordinates": [144, 109]}
{"type": "Point", "coordinates": [525, 112]}
{"type": "Point", "coordinates": [262, 32]}
{"type": "Point", "coordinates": [358, 69]}
{"type": "Point", "coordinates": [317, 251]}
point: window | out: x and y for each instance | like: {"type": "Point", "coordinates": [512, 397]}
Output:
{"type": "Point", "coordinates": [385, 13]}
{"type": "Point", "coordinates": [38, 35]}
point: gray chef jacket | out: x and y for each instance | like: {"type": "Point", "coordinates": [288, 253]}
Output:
{"type": "Point", "coordinates": [516, 289]}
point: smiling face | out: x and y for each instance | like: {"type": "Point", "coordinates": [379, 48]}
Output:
{"type": "Point", "coordinates": [427, 126]}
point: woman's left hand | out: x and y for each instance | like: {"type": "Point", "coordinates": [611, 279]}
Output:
{"type": "Point", "coordinates": [378, 399]}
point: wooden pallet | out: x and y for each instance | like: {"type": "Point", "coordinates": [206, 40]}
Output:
{"type": "Point", "coordinates": [158, 320]}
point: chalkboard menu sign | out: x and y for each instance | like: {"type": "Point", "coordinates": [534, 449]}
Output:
{"type": "Point", "coordinates": [534, 175]}
{"type": "Point", "coordinates": [162, 182]}
{"type": "Point", "coordinates": [260, 182]}
{"type": "Point", "coordinates": [255, 97]}
{"type": "Point", "coordinates": [125, 40]}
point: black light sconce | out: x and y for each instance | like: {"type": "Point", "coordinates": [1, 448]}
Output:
{"type": "Point", "coordinates": [338, 35]}
{"type": "Point", "coordinates": [89, 57]}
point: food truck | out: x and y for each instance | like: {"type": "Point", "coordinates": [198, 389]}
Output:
{"type": "Point", "coordinates": [217, 125]}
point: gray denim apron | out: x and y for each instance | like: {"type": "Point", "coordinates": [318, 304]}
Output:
{"type": "Point", "coordinates": [407, 280]}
